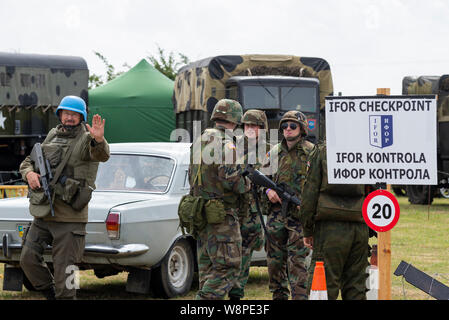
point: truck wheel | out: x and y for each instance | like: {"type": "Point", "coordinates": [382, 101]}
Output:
{"type": "Point", "coordinates": [419, 194]}
{"type": "Point", "coordinates": [175, 274]}
{"type": "Point", "coordinates": [444, 192]}
{"type": "Point", "coordinates": [399, 190]}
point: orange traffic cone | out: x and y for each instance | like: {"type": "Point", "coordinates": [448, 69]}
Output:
{"type": "Point", "coordinates": [319, 289]}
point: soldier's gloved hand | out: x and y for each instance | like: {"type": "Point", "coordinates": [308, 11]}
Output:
{"type": "Point", "coordinates": [33, 180]}
{"type": "Point", "coordinates": [273, 196]}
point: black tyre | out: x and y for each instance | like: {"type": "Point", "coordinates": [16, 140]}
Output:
{"type": "Point", "coordinates": [399, 190]}
{"type": "Point", "coordinates": [420, 194]}
{"type": "Point", "coordinates": [175, 274]}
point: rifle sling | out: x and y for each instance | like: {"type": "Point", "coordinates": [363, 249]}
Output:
{"type": "Point", "coordinates": [256, 196]}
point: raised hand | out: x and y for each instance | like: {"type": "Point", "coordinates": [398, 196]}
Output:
{"type": "Point", "coordinates": [97, 129]}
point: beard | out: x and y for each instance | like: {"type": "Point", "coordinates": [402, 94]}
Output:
{"type": "Point", "coordinates": [70, 126]}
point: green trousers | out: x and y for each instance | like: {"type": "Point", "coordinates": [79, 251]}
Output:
{"type": "Point", "coordinates": [343, 246]}
{"type": "Point", "coordinates": [67, 240]}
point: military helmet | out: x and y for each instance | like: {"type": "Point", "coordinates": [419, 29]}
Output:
{"type": "Point", "coordinates": [298, 117]}
{"type": "Point", "coordinates": [227, 110]}
{"type": "Point", "coordinates": [73, 103]}
{"type": "Point", "coordinates": [256, 117]}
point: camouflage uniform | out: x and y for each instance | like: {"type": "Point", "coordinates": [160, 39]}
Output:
{"type": "Point", "coordinates": [67, 229]}
{"type": "Point", "coordinates": [286, 252]}
{"type": "Point", "coordinates": [219, 244]}
{"type": "Point", "coordinates": [332, 215]}
{"type": "Point", "coordinates": [250, 224]}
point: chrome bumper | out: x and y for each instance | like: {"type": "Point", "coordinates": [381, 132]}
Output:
{"type": "Point", "coordinates": [127, 250]}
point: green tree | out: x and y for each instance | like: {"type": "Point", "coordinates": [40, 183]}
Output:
{"type": "Point", "coordinates": [98, 80]}
{"type": "Point", "coordinates": [168, 64]}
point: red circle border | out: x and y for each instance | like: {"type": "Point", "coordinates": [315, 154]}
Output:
{"type": "Point", "coordinates": [397, 209]}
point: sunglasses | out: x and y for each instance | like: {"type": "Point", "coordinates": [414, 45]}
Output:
{"type": "Point", "coordinates": [285, 125]}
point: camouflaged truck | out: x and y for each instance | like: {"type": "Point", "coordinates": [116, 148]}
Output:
{"type": "Point", "coordinates": [439, 85]}
{"type": "Point", "coordinates": [273, 83]}
{"type": "Point", "coordinates": [31, 87]}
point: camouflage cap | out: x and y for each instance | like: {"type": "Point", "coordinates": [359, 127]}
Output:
{"type": "Point", "coordinates": [298, 117]}
{"type": "Point", "coordinates": [255, 117]}
{"type": "Point", "coordinates": [227, 110]}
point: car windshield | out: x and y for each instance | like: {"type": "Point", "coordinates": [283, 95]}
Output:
{"type": "Point", "coordinates": [135, 173]}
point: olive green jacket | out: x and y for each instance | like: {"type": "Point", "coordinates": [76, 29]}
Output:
{"type": "Point", "coordinates": [323, 201]}
{"type": "Point", "coordinates": [82, 166]}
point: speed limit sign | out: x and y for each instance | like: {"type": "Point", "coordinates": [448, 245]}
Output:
{"type": "Point", "coordinates": [381, 210]}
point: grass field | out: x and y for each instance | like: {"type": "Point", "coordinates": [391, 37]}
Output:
{"type": "Point", "coordinates": [420, 238]}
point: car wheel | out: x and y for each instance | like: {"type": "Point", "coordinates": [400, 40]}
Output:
{"type": "Point", "coordinates": [175, 274]}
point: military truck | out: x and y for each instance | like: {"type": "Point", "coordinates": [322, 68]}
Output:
{"type": "Point", "coordinates": [31, 87]}
{"type": "Point", "coordinates": [273, 83]}
{"type": "Point", "coordinates": [438, 85]}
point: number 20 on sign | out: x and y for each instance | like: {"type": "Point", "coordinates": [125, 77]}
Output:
{"type": "Point", "coordinates": [381, 210]}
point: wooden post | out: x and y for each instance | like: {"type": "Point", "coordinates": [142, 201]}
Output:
{"type": "Point", "coordinates": [384, 247]}
{"type": "Point", "coordinates": [384, 264]}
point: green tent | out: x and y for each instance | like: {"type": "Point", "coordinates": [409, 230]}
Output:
{"type": "Point", "coordinates": [137, 105]}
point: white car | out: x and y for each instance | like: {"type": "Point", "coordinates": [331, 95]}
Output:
{"type": "Point", "coordinates": [133, 222]}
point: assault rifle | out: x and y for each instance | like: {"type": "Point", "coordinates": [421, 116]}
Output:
{"type": "Point", "coordinates": [258, 178]}
{"type": "Point", "coordinates": [44, 170]}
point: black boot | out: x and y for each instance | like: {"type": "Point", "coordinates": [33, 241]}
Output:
{"type": "Point", "coordinates": [49, 293]}
{"type": "Point", "coordinates": [234, 298]}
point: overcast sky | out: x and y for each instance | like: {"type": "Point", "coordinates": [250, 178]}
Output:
{"type": "Point", "coordinates": [368, 44]}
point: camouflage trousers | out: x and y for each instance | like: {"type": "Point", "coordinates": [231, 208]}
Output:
{"type": "Point", "coordinates": [67, 240]}
{"type": "Point", "coordinates": [286, 256]}
{"type": "Point", "coordinates": [343, 246]}
{"type": "Point", "coordinates": [219, 250]}
{"type": "Point", "coordinates": [252, 240]}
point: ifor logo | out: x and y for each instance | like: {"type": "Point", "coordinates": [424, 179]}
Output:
{"type": "Point", "coordinates": [311, 124]}
{"type": "Point", "coordinates": [381, 131]}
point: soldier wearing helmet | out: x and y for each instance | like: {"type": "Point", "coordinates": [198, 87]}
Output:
{"type": "Point", "coordinates": [219, 183]}
{"type": "Point", "coordinates": [73, 149]}
{"type": "Point", "coordinates": [255, 130]}
{"type": "Point", "coordinates": [286, 252]}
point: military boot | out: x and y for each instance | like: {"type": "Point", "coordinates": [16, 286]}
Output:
{"type": "Point", "coordinates": [49, 293]}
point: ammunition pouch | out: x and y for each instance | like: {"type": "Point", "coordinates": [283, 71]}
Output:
{"type": "Point", "coordinates": [82, 198]}
{"type": "Point", "coordinates": [215, 211]}
{"type": "Point", "coordinates": [53, 153]}
{"type": "Point", "coordinates": [191, 217]}
{"type": "Point", "coordinates": [39, 204]}
{"type": "Point", "coordinates": [73, 192]}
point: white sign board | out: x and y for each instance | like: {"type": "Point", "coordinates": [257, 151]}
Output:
{"type": "Point", "coordinates": [390, 139]}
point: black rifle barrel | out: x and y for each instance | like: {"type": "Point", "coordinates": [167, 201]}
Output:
{"type": "Point", "coordinates": [45, 172]}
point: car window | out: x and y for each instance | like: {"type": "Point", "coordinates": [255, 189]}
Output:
{"type": "Point", "coordinates": [135, 173]}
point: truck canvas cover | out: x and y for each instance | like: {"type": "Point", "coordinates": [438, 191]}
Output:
{"type": "Point", "coordinates": [31, 87]}
{"type": "Point", "coordinates": [199, 85]}
{"type": "Point", "coordinates": [438, 85]}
